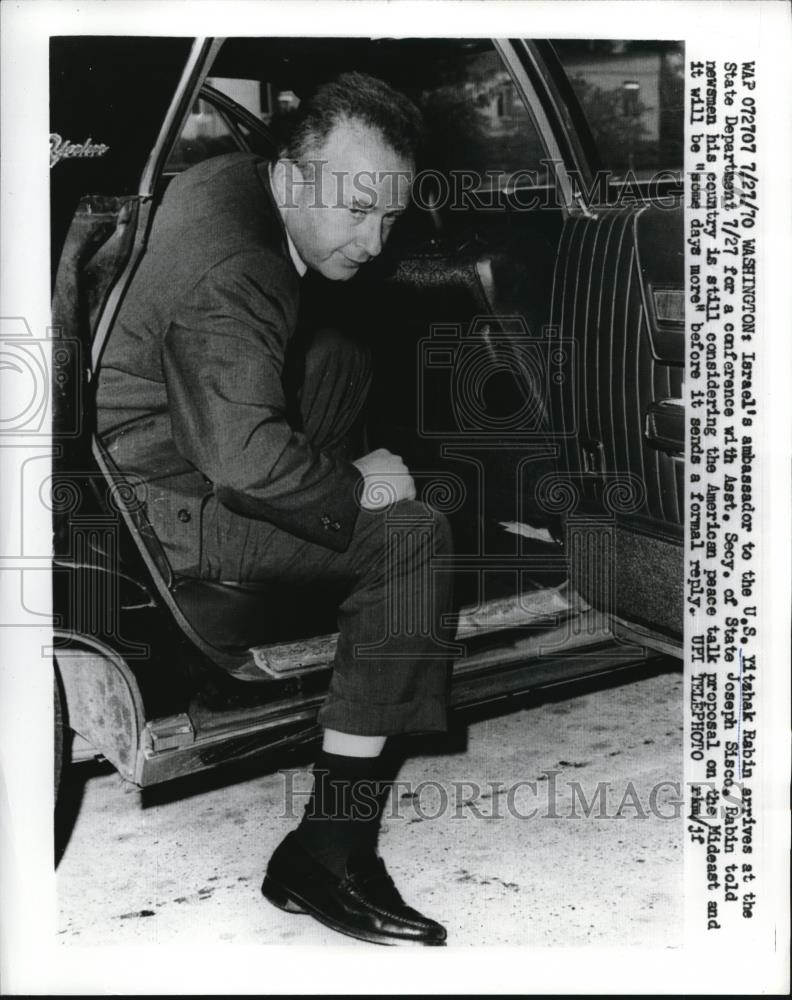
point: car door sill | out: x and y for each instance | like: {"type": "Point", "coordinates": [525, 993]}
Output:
{"type": "Point", "coordinates": [542, 607]}
{"type": "Point", "coordinates": [511, 649]}
{"type": "Point", "coordinates": [528, 663]}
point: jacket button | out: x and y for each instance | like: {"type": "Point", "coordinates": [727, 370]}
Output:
{"type": "Point", "coordinates": [325, 521]}
{"type": "Point", "coordinates": [184, 515]}
{"type": "Point", "coordinates": [335, 526]}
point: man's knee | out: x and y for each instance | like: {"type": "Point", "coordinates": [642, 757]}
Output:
{"type": "Point", "coordinates": [424, 520]}
{"type": "Point", "coordinates": [444, 541]}
{"type": "Point", "coordinates": [404, 559]}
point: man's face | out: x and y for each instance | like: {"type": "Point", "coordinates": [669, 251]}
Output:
{"type": "Point", "coordinates": [342, 214]}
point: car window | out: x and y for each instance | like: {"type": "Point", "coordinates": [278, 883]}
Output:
{"type": "Point", "coordinates": [476, 120]}
{"type": "Point", "coordinates": [254, 96]}
{"type": "Point", "coordinates": [207, 131]}
{"type": "Point", "coordinates": [632, 95]}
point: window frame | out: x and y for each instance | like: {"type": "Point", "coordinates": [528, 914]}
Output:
{"type": "Point", "coordinates": [617, 187]}
{"type": "Point", "coordinates": [524, 60]}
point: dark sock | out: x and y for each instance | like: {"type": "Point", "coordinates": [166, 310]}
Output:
{"type": "Point", "coordinates": [344, 809]}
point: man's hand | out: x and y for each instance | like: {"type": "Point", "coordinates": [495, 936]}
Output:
{"type": "Point", "coordinates": [386, 479]}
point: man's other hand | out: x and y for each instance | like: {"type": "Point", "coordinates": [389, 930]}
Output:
{"type": "Point", "coordinates": [386, 479]}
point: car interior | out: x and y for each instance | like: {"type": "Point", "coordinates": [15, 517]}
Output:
{"type": "Point", "coordinates": [528, 360]}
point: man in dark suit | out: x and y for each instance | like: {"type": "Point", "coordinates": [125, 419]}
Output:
{"type": "Point", "coordinates": [247, 478]}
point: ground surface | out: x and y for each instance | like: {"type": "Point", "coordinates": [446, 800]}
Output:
{"type": "Point", "coordinates": [183, 864]}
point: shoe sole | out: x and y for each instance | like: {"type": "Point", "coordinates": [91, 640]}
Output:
{"type": "Point", "coordinates": [291, 903]}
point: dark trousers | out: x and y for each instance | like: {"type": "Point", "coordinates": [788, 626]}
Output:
{"type": "Point", "coordinates": [392, 584]}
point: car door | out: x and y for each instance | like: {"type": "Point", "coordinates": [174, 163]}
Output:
{"type": "Point", "coordinates": [618, 295]}
{"type": "Point", "coordinates": [105, 146]}
{"type": "Point", "coordinates": [98, 255]}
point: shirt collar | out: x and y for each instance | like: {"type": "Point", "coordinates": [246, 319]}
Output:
{"type": "Point", "coordinates": [297, 260]}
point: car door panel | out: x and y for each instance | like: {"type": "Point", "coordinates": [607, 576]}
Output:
{"type": "Point", "coordinates": [630, 382]}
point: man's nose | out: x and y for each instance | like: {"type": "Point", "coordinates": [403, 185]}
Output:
{"type": "Point", "coordinates": [370, 235]}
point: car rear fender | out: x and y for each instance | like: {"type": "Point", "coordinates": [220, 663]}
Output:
{"type": "Point", "coordinates": [103, 701]}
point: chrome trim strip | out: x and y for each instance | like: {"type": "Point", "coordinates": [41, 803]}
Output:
{"type": "Point", "coordinates": [196, 70]}
{"type": "Point", "coordinates": [539, 118]}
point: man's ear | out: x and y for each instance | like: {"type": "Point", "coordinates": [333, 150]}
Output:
{"type": "Point", "coordinates": [288, 182]}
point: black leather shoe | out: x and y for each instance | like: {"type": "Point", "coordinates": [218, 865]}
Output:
{"type": "Point", "coordinates": [365, 904]}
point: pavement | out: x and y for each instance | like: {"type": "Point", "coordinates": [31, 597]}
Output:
{"type": "Point", "coordinates": [487, 833]}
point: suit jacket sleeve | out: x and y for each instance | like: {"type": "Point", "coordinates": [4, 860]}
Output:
{"type": "Point", "coordinates": [223, 359]}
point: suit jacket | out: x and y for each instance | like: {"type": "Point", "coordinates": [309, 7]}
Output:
{"type": "Point", "coordinates": [190, 395]}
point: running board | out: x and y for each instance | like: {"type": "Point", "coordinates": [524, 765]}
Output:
{"type": "Point", "coordinates": [546, 606]}
{"type": "Point", "coordinates": [570, 651]}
